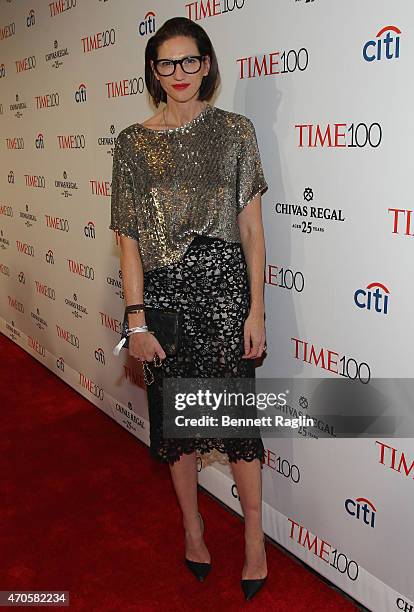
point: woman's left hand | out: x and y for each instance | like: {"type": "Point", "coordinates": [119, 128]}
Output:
{"type": "Point", "coordinates": [254, 336]}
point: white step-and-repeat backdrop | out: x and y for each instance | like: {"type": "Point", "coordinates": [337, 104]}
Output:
{"type": "Point", "coordinates": [327, 85]}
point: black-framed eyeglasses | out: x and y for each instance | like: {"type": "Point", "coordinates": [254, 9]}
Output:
{"type": "Point", "coordinates": [190, 64]}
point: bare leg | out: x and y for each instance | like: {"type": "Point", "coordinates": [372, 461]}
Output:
{"type": "Point", "coordinates": [184, 477]}
{"type": "Point", "coordinates": [248, 478]}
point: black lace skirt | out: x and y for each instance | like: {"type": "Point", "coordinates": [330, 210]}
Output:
{"type": "Point", "coordinates": [210, 286]}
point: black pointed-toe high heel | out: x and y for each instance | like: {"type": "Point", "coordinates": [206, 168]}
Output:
{"type": "Point", "coordinates": [200, 570]}
{"type": "Point", "coordinates": [252, 586]}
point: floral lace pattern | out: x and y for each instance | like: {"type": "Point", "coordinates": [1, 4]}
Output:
{"type": "Point", "coordinates": [210, 285]}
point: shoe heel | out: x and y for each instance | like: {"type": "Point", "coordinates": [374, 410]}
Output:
{"type": "Point", "coordinates": [199, 570]}
{"type": "Point", "coordinates": [251, 587]}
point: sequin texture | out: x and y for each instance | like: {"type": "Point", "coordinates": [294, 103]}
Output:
{"type": "Point", "coordinates": [170, 185]}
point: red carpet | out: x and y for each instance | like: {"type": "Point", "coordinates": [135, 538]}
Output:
{"type": "Point", "coordinates": [86, 510]}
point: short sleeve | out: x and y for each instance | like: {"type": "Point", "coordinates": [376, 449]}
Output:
{"type": "Point", "coordinates": [250, 177]}
{"type": "Point", "coordinates": [123, 210]}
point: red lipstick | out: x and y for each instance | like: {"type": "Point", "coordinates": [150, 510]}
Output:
{"type": "Point", "coordinates": [181, 85]}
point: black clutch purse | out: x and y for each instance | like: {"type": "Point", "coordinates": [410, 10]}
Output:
{"type": "Point", "coordinates": [164, 323]}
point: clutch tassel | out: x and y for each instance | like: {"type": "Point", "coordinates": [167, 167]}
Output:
{"type": "Point", "coordinates": [118, 347]}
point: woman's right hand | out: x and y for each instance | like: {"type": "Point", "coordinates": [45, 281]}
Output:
{"type": "Point", "coordinates": [144, 346]}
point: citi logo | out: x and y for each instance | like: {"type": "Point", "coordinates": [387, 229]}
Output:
{"type": "Point", "coordinates": [374, 297]}
{"type": "Point", "coordinates": [31, 19]}
{"type": "Point", "coordinates": [2, 71]}
{"type": "Point", "coordinates": [147, 25]}
{"type": "Point", "coordinates": [89, 230]}
{"type": "Point", "coordinates": [60, 364]}
{"type": "Point", "coordinates": [39, 142]}
{"type": "Point", "coordinates": [99, 355]}
{"type": "Point", "coordinates": [361, 509]}
{"type": "Point", "coordinates": [80, 94]}
{"type": "Point", "coordinates": [10, 177]}
{"type": "Point", "coordinates": [386, 45]}
{"type": "Point", "coordinates": [49, 257]}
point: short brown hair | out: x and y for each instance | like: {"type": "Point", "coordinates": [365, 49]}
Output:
{"type": "Point", "coordinates": [181, 26]}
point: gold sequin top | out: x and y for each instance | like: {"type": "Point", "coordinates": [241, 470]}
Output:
{"type": "Point", "coordinates": [169, 185]}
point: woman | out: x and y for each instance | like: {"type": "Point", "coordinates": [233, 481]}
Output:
{"type": "Point", "coordinates": [186, 201]}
